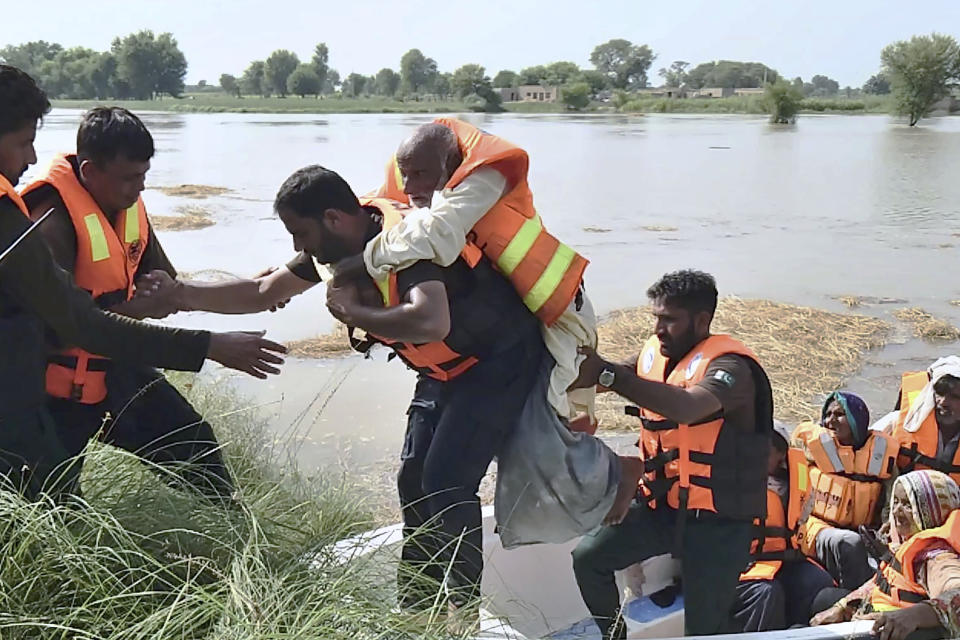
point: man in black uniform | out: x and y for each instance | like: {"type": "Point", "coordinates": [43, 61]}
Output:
{"type": "Point", "coordinates": [36, 294]}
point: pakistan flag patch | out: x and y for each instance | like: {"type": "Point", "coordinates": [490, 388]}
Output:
{"type": "Point", "coordinates": [725, 377]}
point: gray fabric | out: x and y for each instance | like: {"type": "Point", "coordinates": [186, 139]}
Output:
{"type": "Point", "coordinates": [552, 484]}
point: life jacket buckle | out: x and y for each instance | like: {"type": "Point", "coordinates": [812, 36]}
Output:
{"type": "Point", "coordinates": [76, 392]}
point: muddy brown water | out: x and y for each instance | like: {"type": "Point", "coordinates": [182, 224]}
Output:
{"type": "Point", "coordinates": [834, 206]}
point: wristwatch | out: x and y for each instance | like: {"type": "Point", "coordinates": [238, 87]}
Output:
{"type": "Point", "coordinates": [606, 378]}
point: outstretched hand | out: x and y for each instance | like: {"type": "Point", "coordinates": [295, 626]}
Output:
{"type": "Point", "coordinates": [246, 351]}
{"type": "Point", "coordinates": [263, 274]}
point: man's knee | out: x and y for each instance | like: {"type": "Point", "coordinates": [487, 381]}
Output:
{"type": "Point", "coordinates": [410, 480]}
{"type": "Point", "coordinates": [587, 557]}
{"type": "Point", "coordinates": [849, 544]}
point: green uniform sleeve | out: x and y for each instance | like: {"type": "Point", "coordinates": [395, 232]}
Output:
{"type": "Point", "coordinates": [32, 280]}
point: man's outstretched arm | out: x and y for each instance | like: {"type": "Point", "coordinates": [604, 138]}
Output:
{"type": "Point", "coordinates": [422, 316]}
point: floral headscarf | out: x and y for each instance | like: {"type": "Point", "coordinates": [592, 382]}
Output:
{"type": "Point", "coordinates": [932, 495]}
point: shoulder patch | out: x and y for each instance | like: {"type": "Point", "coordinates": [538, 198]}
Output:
{"type": "Point", "coordinates": [725, 377]}
{"type": "Point", "coordinates": [694, 363]}
{"type": "Point", "coordinates": [647, 362]}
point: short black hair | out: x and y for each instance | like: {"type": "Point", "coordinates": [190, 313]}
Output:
{"type": "Point", "coordinates": [692, 290]}
{"type": "Point", "coordinates": [946, 384]}
{"type": "Point", "coordinates": [108, 132]}
{"type": "Point", "coordinates": [312, 190]}
{"type": "Point", "coordinates": [22, 102]}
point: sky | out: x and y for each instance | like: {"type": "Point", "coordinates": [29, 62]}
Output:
{"type": "Point", "coordinates": [838, 38]}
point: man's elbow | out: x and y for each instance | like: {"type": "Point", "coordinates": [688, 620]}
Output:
{"type": "Point", "coordinates": [436, 329]}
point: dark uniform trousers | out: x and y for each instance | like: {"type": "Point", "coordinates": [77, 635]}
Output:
{"type": "Point", "coordinates": [714, 551]}
{"type": "Point", "coordinates": [148, 417]}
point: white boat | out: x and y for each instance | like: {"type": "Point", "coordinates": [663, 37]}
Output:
{"type": "Point", "coordinates": [530, 593]}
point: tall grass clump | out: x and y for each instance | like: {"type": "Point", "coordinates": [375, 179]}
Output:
{"type": "Point", "coordinates": [136, 558]}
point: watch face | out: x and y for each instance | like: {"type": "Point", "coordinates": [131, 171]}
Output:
{"type": "Point", "coordinates": [606, 378]}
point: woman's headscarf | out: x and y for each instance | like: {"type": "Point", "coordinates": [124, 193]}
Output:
{"type": "Point", "coordinates": [858, 416]}
{"type": "Point", "coordinates": [932, 495]}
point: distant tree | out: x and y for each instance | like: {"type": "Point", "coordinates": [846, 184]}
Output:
{"type": "Point", "coordinates": [532, 75]}
{"type": "Point", "coordinates": [730, 74]}
{"type": "Point", "coordinates": [387, 82]}
{"type": "Point", "coordinates": [783, 100]}
{"type": "Point", "coordinates": [252, 81]}
{"type": "Point", "coordinates": [229, 84]}
{"type": "Point", "coordinates": [29, 56]}
{"type": "Point", "coordinates": [150, 64]}
{"type": "Point", "coordinates": [823, 86]}
{"type": "Point", "coordinates": [470, 78]}
{"type": "Point", "coordinates": [676, 74]}
{"type": "Point", "coordinates": [595, 79]}
{"type": "Point", "coordinates": [798, 83]}
{"type": "Point", "coordinates": [624, 63]}
{"type": "Point", "coordinates": [560, 73]}
{"type": "Point", "coordinates": [331, 83]}
{"type": "Point", "coordinates": [354, 84]}
{"type": "Point", "coordinates": [202, 83]}
{"type": "Point", "coordinates": [505, 79]}
{"type": "Point", "coordinates": [417, 71]}
{"type": "Point", "coordinates": [321, 56]}
{"type": "Point", "coordinates": [877, 85]}
{"type": "Point", "coordinates": [304, 81]}
{"type": "Point", "coordinates": [922, 71]}
{"type": "Point", "coordinates": [441, 85]}
{"type": "Point", "coordinates": [279, 66]}
{"type": "Point", "coordinates": [576, 96]}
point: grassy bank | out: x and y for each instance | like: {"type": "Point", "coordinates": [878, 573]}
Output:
{"type": "Point", "coordinates": [222, 103]}
{"type": "Point", "coordinates": [139, 559]}
{"type": "Point", "coordinates": [755, 105]}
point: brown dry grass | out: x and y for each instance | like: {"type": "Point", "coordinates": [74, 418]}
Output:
{"type": "Point", "coordinates": [806, 352]}
{"type": "Point", "coordinates": [195, 191]}
{"type": "Point", "coordinates": [658, 227]}
{"type": "Point", "coordinates": [189, 218]}
{"type": "Point", "coordinates": [926, 326]}
{"type": "Point", "coordinates": [327, 345]}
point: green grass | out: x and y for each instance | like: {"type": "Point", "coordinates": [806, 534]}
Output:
{"type": "Point", "coordinates": [755, 105]}
{"type": "Point", "coordinates": [139, 560]}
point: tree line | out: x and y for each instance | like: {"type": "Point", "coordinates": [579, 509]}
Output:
{"type": "Point", "coordinates": [138, 66]}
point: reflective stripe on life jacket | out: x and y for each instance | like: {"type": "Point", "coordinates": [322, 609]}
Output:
{"type": "Point", "coordinates": [108, 256]}
{"type": "Point", "coordinates": [435, 359]}
{"type": "Point", "coordinates": [896, 581]}
{"type": "Point", "coordinates": [918, 449]}
{"type": "Point", "coordinates": [705, 466]}
{"type": "Point", "coordinates": [544, 271]}
{"type": "Point", "coordinates": [845, 484]}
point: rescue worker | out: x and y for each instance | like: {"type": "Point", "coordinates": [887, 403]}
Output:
{"type": "Point", "coordinates": [917, 585]}
{"type": "Point", "coordinates": [779, 587]}
{"type": "Point", "coordinates": [928, 421]}
{"type": "Point", "coordinates": [99, 232]}
{"type": "Point", "coordinates": [481, 365]}
{"type": "Point", "coordinates": [848, 467]}
{"type": "Point", "coordinates": [483, 195]}
{"type": "Point", "coordinates": [706, 413]}
{"type": "Point", "coordinates": [36, 295]}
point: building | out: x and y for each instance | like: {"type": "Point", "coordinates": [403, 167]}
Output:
{"type": "Point", "coordinates": [662, 92]}
{"type": "Point", "coordinates": [537, 93]}
{"type": "Point", "coordinates": [508, 94]}
{"type": "Point", "coordinates": [713, 92]}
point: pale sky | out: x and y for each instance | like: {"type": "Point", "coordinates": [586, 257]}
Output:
{"type": "Point", "coordinates": [838, 38]}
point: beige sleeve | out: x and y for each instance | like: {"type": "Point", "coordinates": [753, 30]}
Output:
{"type": "Point", "coordinates": [439, 233]}
{"type": "Point", "coordinates": [942, 573]}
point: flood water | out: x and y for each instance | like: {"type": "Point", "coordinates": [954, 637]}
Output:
{"type": "Point", "coordinates": [836, 205]}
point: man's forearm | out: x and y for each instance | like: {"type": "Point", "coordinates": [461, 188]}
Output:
{"type": "Point", "coordinates": [402, 323]}
{"type": "Point", "coordinates": [241, 296]}
{"type": "Point", "coordinates": [673, 403]}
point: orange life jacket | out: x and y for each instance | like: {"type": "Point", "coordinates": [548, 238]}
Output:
{"type": "Point", "coordinates": [918, 450]}
{"type": "Point", "coordinates": [896, 581]}
{"type": "Point", "coordinates": [705, 466]}
{"type": "Point", "coordinates": [107, 259]}
{"type": "Point", "coordinates": [435, 359]}
{"type": "Point", "coordinates": [545, 272]}
{"type": "Point", "coordinates": [845, 485]}
{"type": "Point", "coordinates": [772, 541]}
{"type": "Point", "coordinates": [7, 189]}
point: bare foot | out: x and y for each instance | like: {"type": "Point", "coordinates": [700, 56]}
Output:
{"type": "Point", "coordinates": [631, 470]}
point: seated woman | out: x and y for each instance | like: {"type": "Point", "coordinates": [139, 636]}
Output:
{"type": "Point", "coordinates": [918, 583]}
{"type": "Point", "coordinates": [848, 465]}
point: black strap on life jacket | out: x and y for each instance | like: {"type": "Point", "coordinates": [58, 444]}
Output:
{"type": "Point", "coordinates": [939, 464]}
{"type": "Point", "coordinates": [70, 362]}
